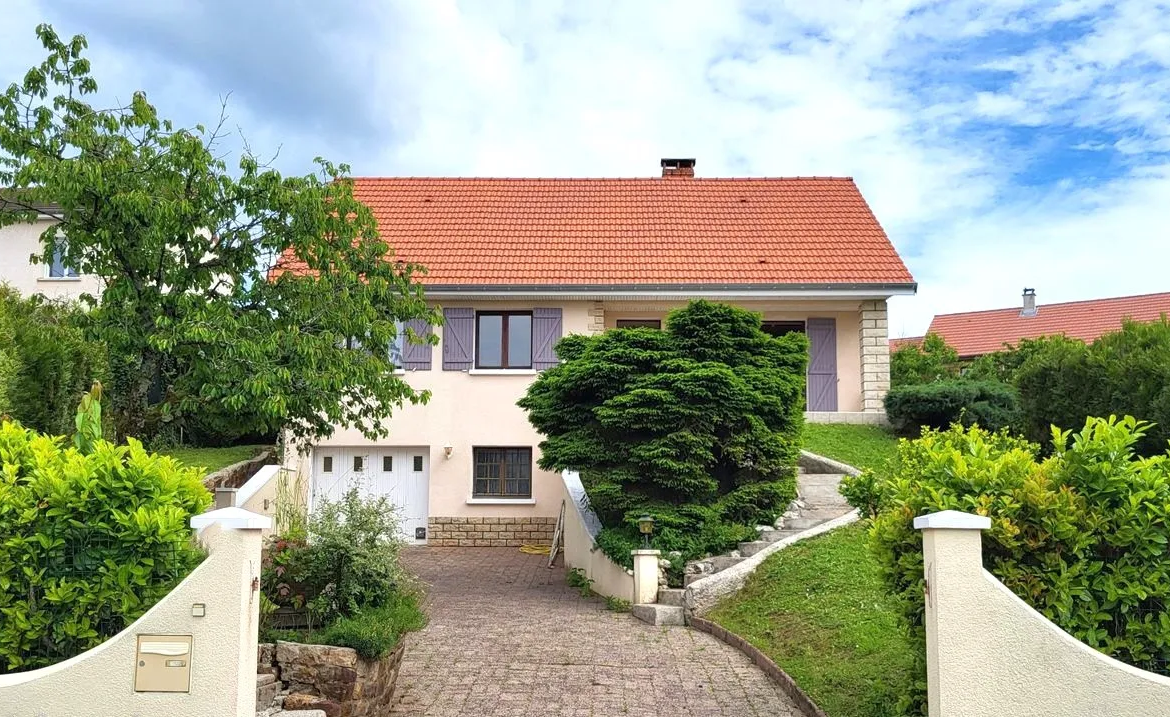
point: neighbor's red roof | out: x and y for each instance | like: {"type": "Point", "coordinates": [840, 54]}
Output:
{"type": "Point", "coordinates": [896, 344]}
{"type": "Point", "coordinates": [979, 332]}
{"type": "Point", "coordinates": [487, 232]}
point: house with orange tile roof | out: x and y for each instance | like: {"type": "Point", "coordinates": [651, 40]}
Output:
{"type": "Point", "coordinates": [974, 333]}
{"type": "Point", "coordinates": [515, 264]}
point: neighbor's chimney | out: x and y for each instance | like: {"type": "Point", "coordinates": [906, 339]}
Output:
{"type": "Point", "coordinates": [1029, 303]}
{"type": "Point", "coordinates": [678, 167]}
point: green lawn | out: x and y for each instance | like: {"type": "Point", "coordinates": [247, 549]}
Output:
{"type": "Point", "coordinates": [859, 446]}
{"type": "Point", "coordinates": [820, 611]}
{"type": "Point", "coordinates": [213, 458]}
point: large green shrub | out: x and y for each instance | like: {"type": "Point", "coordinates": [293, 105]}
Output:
{"type": "Point", "coordinates": [1126, 372]}
{"type": "Point", "coordinates": [990, 404]}
{"type": "Point", "coordinates": [88, 541]}
{"type": "Point", "coordinates": [52, 362]}
{"type": "Point", "coordinates": [932, 360]}
{"type": "Point", "coordinates": [348, 562]}
{"type": "Point", "coordinates": [698, 425]}
{"type": "Point", "coordinates": [1081, 536]}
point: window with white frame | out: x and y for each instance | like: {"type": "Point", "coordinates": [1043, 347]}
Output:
{"type": "Point", "coordinates": [58, 269]}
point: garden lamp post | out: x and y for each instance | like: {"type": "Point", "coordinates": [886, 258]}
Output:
{"type": "Point", "coordinates": [646, 527]}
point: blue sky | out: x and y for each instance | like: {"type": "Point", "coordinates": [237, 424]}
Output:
{"type": "Point", "coordinates": [1002, 143]}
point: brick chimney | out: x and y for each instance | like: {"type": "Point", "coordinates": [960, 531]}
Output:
{"type": "Point", "coordinates": [1029, 308]}
{"type": "Point", "coordinates": [673, 168]}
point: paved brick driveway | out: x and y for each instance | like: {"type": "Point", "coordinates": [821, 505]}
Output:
{"type": "Point", "coordinates": [508, 638]}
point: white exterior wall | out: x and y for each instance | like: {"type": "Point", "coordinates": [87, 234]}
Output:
{"type": "Point", "coordinates": [100, 682]}
{"type": "Point", "coordinates": [20, 241]}
{"type": "Point", "coordinates": [607, 577]}
{"type": "Point", "coordinates": [989, 654]}
{"type": "Point", "coordinates": [478, 408]}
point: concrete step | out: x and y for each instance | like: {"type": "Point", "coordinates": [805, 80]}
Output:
{"type": "Point", "coordinates": [671, 596]}
{"type": "Point", "coordinates": [771, 535]}
{"type": "Point", "coordinates": [723, 562]}
{"type": "Point", "coordinates": [266, 690]}
{"type": "Point", "coordinates": [812, 518]}
{"type": "Point", "coordinates": [659, 614]}
{"type": "Point", "coordinates": [749, 549]}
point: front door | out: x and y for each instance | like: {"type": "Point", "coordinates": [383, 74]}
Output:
{"type": "Point", "coordinates": [822, 364]}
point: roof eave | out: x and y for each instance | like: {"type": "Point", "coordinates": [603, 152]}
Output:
{"type": "Point", "coordinates": [676, 291]}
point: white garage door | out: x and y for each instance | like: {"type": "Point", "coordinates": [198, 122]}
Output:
{"type": "Point", "coordinates": [400, 474]}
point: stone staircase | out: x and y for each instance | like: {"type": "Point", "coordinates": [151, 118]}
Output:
{"type": "Point", "coordinates": [817, 501]}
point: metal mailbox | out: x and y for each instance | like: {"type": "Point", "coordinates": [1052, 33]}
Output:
{"type": "Point", "coordinates": [163, 663]}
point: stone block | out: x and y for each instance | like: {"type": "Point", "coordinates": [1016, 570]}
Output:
{"type": "Point", "coordinates": [300, 701]}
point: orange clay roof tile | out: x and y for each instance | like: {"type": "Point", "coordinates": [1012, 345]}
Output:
{"type": "Point", "coordinates": [476, 231]}
{"type": "Point", "coordinates": [979, 332]}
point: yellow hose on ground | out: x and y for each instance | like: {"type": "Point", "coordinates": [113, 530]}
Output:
{"type": "Point", "coordinates": [535, 549]}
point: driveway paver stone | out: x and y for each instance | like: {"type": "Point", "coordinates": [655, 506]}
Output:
{"type": "Point", "coordinates": [509, 638]}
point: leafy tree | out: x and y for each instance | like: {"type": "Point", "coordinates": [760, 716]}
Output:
{"type": "Point", "coordinates": [198, 309]}
{"type": "Point", "coordinates": [1005, 364]}
{"type": "Point", "coordinates": [698, 425]}
{"type": "Point", "coordinates": [933, 360]}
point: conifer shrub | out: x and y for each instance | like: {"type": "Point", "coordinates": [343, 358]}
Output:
{"type": "Point", "coordinates": [698, 425]}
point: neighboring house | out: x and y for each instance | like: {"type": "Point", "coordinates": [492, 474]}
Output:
{"type": "Point", "coordinates": [516, 264]}
{"type": "Point", "coordinates": [18, 242]}
{"type": "Point", "coordinates": [975, 333]}
{"type": "Point", "coordinates": [896, 344]}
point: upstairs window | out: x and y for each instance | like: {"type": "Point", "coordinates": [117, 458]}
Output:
{"type": "Point", "coordinates": [503, 339]}
{"type": "Point", "coordinates": [639, 323]}
{"type": "Point", "coordinates": [58, 269]}
{"type": "Point", "coordinates": [780, 328]}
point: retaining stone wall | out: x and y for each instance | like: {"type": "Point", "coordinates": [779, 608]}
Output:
{"type": "Point", "coordinates": [333, 679]}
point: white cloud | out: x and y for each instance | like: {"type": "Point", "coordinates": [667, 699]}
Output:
{"type": "Point", "coordinates": [881, 91]}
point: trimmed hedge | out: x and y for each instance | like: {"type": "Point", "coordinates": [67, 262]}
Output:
{"type": "Point", "coordinates": [88, 542]}
{"type": "Point", "coordinates": [1081, 536]}
{"type": "Point", "coordinates": [46, 362]}
{"type": "Point", "coordinates": [1126, 372]}
{"type": "Point", "coordinates": [989, 404]}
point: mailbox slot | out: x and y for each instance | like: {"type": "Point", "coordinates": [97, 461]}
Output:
{"type": "Point", "coordinates": [163, 663]}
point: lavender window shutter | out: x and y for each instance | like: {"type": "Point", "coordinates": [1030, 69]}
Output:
{"type": "Point", "coordinates": [417, 357]}
{"type": "Point", "coordinates": [822, 364]}
{"type": "Point", "coordinates": [458, 339]}
{"type": "Point", "coordinates": [546, 331]}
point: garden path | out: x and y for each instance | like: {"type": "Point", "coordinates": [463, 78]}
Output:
{"type": "Point", "coordinates": [509, 638]}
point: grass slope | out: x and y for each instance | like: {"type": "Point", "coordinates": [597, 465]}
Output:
{"type": "Point", "coordinates": [860, 446]}
{"type": "Point", "coordinates": [213, 458]}
{"type": "Point", "coordinates": [820, 611]}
